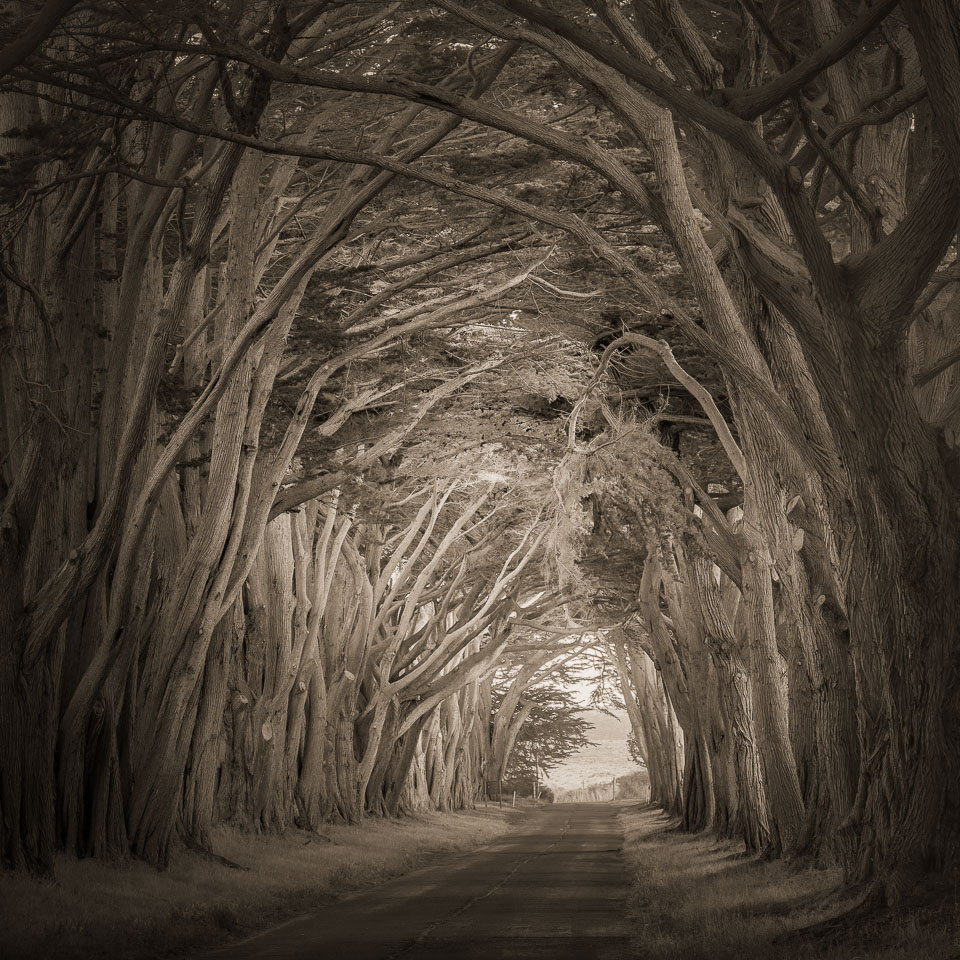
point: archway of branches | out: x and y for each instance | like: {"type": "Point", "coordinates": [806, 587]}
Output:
{"type": "Point", "coordinates": [367, 365]}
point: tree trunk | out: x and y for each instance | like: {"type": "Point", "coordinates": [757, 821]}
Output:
{"type": "Point", "coordinates": [904, 630]}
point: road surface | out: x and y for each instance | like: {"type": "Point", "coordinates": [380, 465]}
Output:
{"type": "Point", "coordinates": [555, 888]}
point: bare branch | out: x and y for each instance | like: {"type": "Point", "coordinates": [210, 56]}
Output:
{"type": "Point", "coordinates": [42, 25]}
{"type": "Point", "coordinates": [753, 103]}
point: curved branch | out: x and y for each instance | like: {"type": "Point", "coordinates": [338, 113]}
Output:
{"type": "Point", "coordinates": [750, 104]}
{"type": "Point", "coordinates": [892, 274]}
{"type": "Point", "coordinates": [696, 389]}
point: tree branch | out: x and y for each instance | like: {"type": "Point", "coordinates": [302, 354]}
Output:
{"type": "Point", "coordinates": [750, 104]}
{"type": "Point", "coordinates": [42, 25]}
{"type": "Point", "coordinates": [869, 117]}
{"type": "Point", "coordinates": [696, 389]}
{"type": "Point", "coordinates": [892, 274]}
{"type": "Point", "coordinates": [937, 367]}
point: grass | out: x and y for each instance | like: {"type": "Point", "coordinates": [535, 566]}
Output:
{"type": "Point", "coordinates": [696, 898]}
{"type": "Point", "coordinates": [131, 911]}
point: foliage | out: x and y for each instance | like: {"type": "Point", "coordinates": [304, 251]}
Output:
{"type": "Point", "coordinates": [259, 253]}
{"type": "Point", "coordinates": [553, 731]}
{"type": "Point", "coordinates": [611, 493]}
{"type": "Point", "coordinates": [634, 748]}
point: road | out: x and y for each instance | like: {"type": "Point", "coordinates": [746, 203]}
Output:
{"type": "Point", "coordinates": [555, 888]}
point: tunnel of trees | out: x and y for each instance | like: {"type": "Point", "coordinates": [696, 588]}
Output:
{"type": "Point", "coordinates": [363, 364]}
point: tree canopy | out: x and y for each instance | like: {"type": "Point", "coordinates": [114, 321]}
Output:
{"type": "Point", "coordinates": [355, 352]}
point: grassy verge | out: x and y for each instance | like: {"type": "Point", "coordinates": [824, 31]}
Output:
{"type": "Point", "coordinates": [696, 898]}
{"type": "Point", "coordinates": [131, 911]}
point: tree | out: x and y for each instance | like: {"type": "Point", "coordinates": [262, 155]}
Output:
{"type": "Point", "coordinates": [552, 730]}
{"type": "Point", "coordinates": [179, 454]}
{"type": "Point", "coordinates": [826, 412]}
{"type": "Point", "coordinates": [759, 206]}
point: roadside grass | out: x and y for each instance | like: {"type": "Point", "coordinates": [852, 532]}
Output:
{"type": "Point", "coordinates": [696, 898]}
{"type": "Point", "coordinates": [131, 911]}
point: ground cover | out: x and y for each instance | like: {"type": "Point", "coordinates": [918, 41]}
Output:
{"type": "Point", "coordinates": [697, 898]}
{"type": "Point", "coordinates": [131, 911]}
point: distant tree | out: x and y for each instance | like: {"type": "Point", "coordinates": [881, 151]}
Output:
{"type": "Point", "coordinates": [553, 731]}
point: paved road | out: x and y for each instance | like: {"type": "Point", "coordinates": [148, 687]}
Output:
{"type": "Point", "coordinates": [553, 889]}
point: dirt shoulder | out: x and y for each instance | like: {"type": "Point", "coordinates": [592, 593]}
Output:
{"type": "Point", "coordinates": [697, 898]}
{"type": "Point", "coordinates": [131, 911]}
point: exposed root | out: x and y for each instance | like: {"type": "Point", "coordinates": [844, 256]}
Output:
{"type": "Point", "coordinates": [205, 851]}
{"type": "Point", "coordinates": [316, 835]}
{"type": "Point", "coordinates": [869, 913]}
{"type": "Point", "coordinates": [816, 902]}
